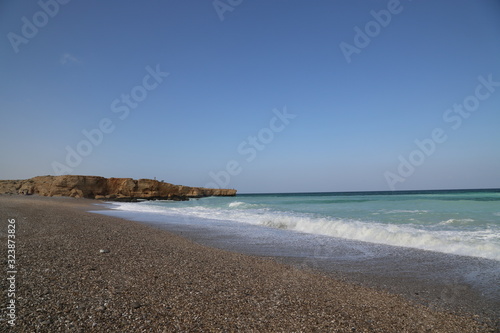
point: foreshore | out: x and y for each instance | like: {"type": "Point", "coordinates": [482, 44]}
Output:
{"type": "Point", "coordinates": [78, 271]}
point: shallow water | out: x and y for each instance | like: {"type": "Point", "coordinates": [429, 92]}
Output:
{"type": "Point", "coordinates": [458, 222]}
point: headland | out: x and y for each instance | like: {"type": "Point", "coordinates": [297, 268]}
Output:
{"type": "Point", "coordinates": [117, 189]}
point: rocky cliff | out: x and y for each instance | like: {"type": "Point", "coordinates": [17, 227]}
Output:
{"type": "Point", "coordinates": [94, 187]}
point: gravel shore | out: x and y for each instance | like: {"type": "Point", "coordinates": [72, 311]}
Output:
{"type": "Point", "coordinates": [83, 272]}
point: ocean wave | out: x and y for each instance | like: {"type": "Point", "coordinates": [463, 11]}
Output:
{"type": "Point", "coordinates": [398, 211]}
{"type": "Point", "coordinates": [144, 206]}
{"type": "Point", "coordinates": [456, 222]}
{"type": "Point", "coordinates": [243, 205]}
{"type": "Point", "coordinates": [483, 243]}
{"type": "Point", "coordinates": [468, 243]}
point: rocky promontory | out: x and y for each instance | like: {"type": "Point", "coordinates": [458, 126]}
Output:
{"type": "Point", "coordinates": [95, 187]}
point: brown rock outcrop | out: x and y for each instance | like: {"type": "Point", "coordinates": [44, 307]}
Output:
{"type": "Point", "coordinates": [94, 187]}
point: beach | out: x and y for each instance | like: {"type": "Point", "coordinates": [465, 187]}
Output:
{"type": "Point", "coordinates": [79, 271]}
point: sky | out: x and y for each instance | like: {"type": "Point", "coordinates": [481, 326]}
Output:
{"type": "Point", "coordinates": [260, 96]}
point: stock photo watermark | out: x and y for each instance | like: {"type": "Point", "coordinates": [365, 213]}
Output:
{"type": "Point", "coordinates": [250, 147]}
{"type": "Point", "coordinates": [120, 106]}
{"type": "Point", "coordinates": [363, 37]}
{"type": "Point", "coordinates": [454, 117]}
{"type": "Point", "coordinates": [223, 6]}
{"type": "Point", "coordinates": [30, 27]}
{"type": "Point", "coordinates": [11, 272]}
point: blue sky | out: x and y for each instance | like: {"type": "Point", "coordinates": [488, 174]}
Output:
{"type": "Point", "coordinates": [261, 96]}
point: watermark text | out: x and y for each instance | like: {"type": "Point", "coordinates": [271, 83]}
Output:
{"type": "Point", "coordinates": [250, 148]}
{"type": "Point", "coordinates": [363, 37]}
{"type": "Point", "coordinates": [454, 117]}
{"type": "Point", "coordinates": [223, 6]}
{"type": "Point", "coordinates": [30, 27]}
{"type": "Point", "coordinates": [120, 106]}
{"type": "Point", "coordinates": [11, 272]}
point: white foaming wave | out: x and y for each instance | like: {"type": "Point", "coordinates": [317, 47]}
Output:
{"type": "Point", "coordinates": [469, 243]}
{"type": "Point", "coordinates": [236, 204]}
{"type": "Point", "coordinates": [123, 206]}
{"type": "Point", "coordinates": [456, 221]}
{"type": "Point", "coordinates": [159, 210]}
{"type": "Point", "coordinates": [397, 211]}
{"type": "Point", "coordinates": [242, 205]}
{"type": "Point", "coordinates": [142, 207]}
{"type": "Point", "coordinates": [485, 243]}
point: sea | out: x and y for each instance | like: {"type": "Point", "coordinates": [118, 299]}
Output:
{"type": "Point", "coordinates": [460, 222]}
{"type": "Point", "coordinates": [439, 248]}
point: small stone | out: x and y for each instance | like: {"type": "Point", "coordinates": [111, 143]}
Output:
{"type": "Point", "coordinates": [104, 251]}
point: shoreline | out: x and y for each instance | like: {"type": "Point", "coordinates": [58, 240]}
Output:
{"type": "Point", "coordinates": [152, 279]}
{"type": "Point", "coordinates": [443, 281]}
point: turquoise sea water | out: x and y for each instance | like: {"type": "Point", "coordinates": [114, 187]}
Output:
{"type": "Point", "coordinates": [465, 222]}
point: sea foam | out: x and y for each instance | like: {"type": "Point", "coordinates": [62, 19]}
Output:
{"type": "Point", "coordinates": [476, 243]}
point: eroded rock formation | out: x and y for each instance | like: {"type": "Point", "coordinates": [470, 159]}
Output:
{"type": "Point", "coordinates": [94, 187]}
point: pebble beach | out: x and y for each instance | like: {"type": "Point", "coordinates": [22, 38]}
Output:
{"type": "Point", "coordinates": [78, 271]}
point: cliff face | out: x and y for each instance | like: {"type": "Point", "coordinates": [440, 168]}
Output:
{"type": "Point", "coordinates": [94, 187]}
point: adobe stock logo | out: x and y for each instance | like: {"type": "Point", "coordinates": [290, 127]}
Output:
{"type": "Point", "coordinates": [30, 28]}
{"type": "Point", "coordinates": [363, 37]}
{"type": "Point", "coordinates": [121, 106]}
{"type": "Point", "coordinates": [222, 6]}
{"type": "Point", "coordinates": [428, 146]}
{"type": "Point", "coordinates": [250, 148]}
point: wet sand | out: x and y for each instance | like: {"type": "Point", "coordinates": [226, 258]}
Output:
{"type": "Point", "coordinates": [147, 279]}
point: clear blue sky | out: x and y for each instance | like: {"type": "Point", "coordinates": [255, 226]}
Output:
{"type": "Point", "coordinates": [266, 96]}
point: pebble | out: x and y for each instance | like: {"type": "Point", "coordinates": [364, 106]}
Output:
{"type": "Point", "coordinates": [136, 305]}
{"type": "Point", "coordinates": [185, 287]}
